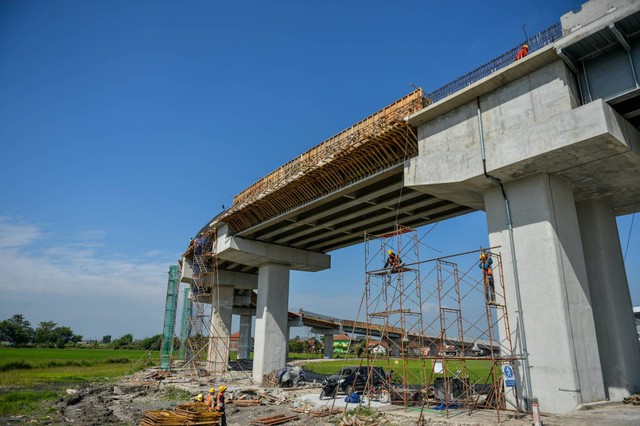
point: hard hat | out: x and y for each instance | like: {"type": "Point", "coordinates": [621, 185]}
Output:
{"type": "Point", "coordinates": [222, 388]}
{"type": "Point", "coordinates": [389, 251]}
{"type": "Point", "coordinates": [525, 46]}
{"type": "Point", "coordinates": [482, 255]}
{"type": "Point", "coordinates": [212, 390]}
{"type": "Point", "coordinates": [199, 397]}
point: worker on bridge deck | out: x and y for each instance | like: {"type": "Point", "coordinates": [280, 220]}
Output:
{"type": "Point", "coordinates": [522, 52]}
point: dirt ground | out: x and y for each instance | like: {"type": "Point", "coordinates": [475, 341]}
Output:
{"type": "Point", "coordinates": [124, 402]}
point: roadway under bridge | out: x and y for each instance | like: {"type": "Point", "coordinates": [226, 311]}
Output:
{"type": "Point", "coordinates": [548, 146]}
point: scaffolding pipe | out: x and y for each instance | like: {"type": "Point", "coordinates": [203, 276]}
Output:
{"type": "Point", "coordinates": [184, 324]}
{"type": "Point", "coordinates": [169, 318]}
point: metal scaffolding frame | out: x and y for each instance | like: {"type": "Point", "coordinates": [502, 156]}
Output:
{"type": "Point", "coordinates": [439, 322]}
{"type": "Point", "coordinates": [207, 341]}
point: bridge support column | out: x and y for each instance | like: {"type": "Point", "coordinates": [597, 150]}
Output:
{"type": "Point", "coordinates": [244, 342]}
{"type": "Point", "coordinates": [270, 349]}
{"type": "Point", "coordinates": [554, 291]}
{"type": "Point", "coordinates": [611, 301]}
{"type": "Point", "coordinates": [328, 346]}
{"type": "Point", "coordinates": [219, 332]}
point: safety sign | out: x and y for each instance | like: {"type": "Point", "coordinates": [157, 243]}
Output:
{"type": "Point", "coordinates": [509, 377]}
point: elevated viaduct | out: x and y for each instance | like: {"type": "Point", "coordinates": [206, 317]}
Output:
{"type": "Point", "coordinates": [548, 146]}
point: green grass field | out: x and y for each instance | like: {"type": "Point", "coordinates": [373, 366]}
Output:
{"type": "Point", "coordinates": [415, 371]}
{"type": "Point", "coordinates": [20, 367]}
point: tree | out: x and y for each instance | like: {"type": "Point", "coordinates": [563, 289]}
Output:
{"type": "Point", "coordinates": [106, 339]}
{"type": "Point", "coordinates": [63, 335]}
{"type": "Point", "coordinates": [125, 340]}
{"type": "Point", "coordinates": [296, 345]}
{"type": "Point", "coordinates": [44, 335]}
{"type": "Point", "coordinates": [152, 342]}
{"type": "Point", "coordinates": [16, 330]}
{"type": "Point", "coordinates": [47, 334]}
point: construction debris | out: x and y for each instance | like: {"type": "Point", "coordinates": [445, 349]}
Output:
{"type": "Point", "coordinates": [633, 399]}
{"type": "Point", "coordinates": [191, 413]}
{"type": "Point", "coordinates": [253, 397]}
{"type": "Point", "coordinates": [358, 421]}
{"type": "Point", "coordinates": [274, 420]}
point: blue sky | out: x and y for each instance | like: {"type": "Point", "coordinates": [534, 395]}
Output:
{"type": "Point", "coordinates": [125, 125]}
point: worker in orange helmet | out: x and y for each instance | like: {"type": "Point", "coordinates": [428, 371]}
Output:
{"type": "Point", "coordinates": [522, 52]}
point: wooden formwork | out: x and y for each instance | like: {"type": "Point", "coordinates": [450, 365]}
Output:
{"type": "Point", "coordinates": [379, 141]}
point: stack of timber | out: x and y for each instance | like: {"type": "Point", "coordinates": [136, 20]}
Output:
{"type": "Point", "coordinates": [189, 414]}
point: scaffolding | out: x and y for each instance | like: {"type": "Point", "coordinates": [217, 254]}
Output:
{"type": "Point", "coordinates": [394, 309]}
{"type": "Point", "coordinates": [171, 306]}
{"type": "Point", "coordinates": [207, 344]}
{"type": "Point", "coordinates": [442, 330]}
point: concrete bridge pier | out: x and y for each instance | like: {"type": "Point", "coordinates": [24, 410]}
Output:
{"type": "Point", "coordinates": [556, 302]}
{"type": "Point", "coordinates": [271, 341]}
{"type": "Point", "coordinates": [274, 263]}
{"type": "Point", "coordinates": [244, 342]}
{"type": "Point", "coordinates": [328, 340]}
{"type": "Point", "coordinates": [610, 299]}
{"type": "Point", "coordinates": [328, 346]}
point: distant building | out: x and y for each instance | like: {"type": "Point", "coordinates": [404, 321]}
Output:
{"type": "Point", "coordinates": [234, 341]}
{"type": "Point", "coordinates": [341, 343]}
{"type": "Point", "coordinates": [377, 347]}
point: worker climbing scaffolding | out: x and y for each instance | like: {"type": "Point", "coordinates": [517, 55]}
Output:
{"type": "Point", "coordinates": [487, 277]}
{"type": "Point", "coordinates": [393, 261]}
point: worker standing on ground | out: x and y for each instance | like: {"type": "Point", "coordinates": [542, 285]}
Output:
{"type": "Point", "coordinates": [487, 277]}
{"type": "Point", "coordinates": [210, 398]}
{"type": "Point", "coordinates": [220, 404]}
{"type": "Point", "coordinates": [522, 52]}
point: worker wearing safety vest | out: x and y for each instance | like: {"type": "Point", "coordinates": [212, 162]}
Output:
{"type": "Point", "coordinates": [210, 398]}
{"type": "Point", "coordinates": [220, 404]}
{"type": "Point", "coordinates": [393, 260]}
{"type": "Point", "coordinates": [522, 52]}
{"type": "Point", "coordinates": [487, 277]}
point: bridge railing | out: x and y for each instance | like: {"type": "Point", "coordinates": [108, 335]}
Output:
{"type": "Point", "coordinates": [543, 38]}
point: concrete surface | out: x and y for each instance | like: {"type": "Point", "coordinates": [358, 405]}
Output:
{"type": "Point", "coordinates": [610, 299]}
{"type": "Point", "coordinates": [271, 337]}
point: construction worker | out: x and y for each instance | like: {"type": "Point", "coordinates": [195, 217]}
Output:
{"type": "Point", "coordinates": [220, 405]}
{"type": "Point", "coordinates": [487, 277]}
{"type": "Point", "coordinates": [522, 52]}
{"type": "Point", "coordinates": [210, 398]}
{"type": "Point", "coordinates": [393, 261]}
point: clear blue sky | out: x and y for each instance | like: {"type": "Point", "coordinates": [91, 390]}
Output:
{"type": "Point", "coordinates": [125, 125]}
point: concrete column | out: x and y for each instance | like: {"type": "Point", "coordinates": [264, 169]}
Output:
{"type": "Point", "coordinates": [286, 355]}
{"type": "Point", "coordinates": [556, 305]}
{"type": "Point", "coordinates": [244, 342]}
{"type": "Point", "coordinates": [328, 346]}
{"type": "Point", "coordinates": [394, 346]}
{"type": "Point", "coordinates": [270, 349]}
{"type": "Point", "coordinates": [219, 332]}
{"type": "Point", "coordinates": [611, 301]}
